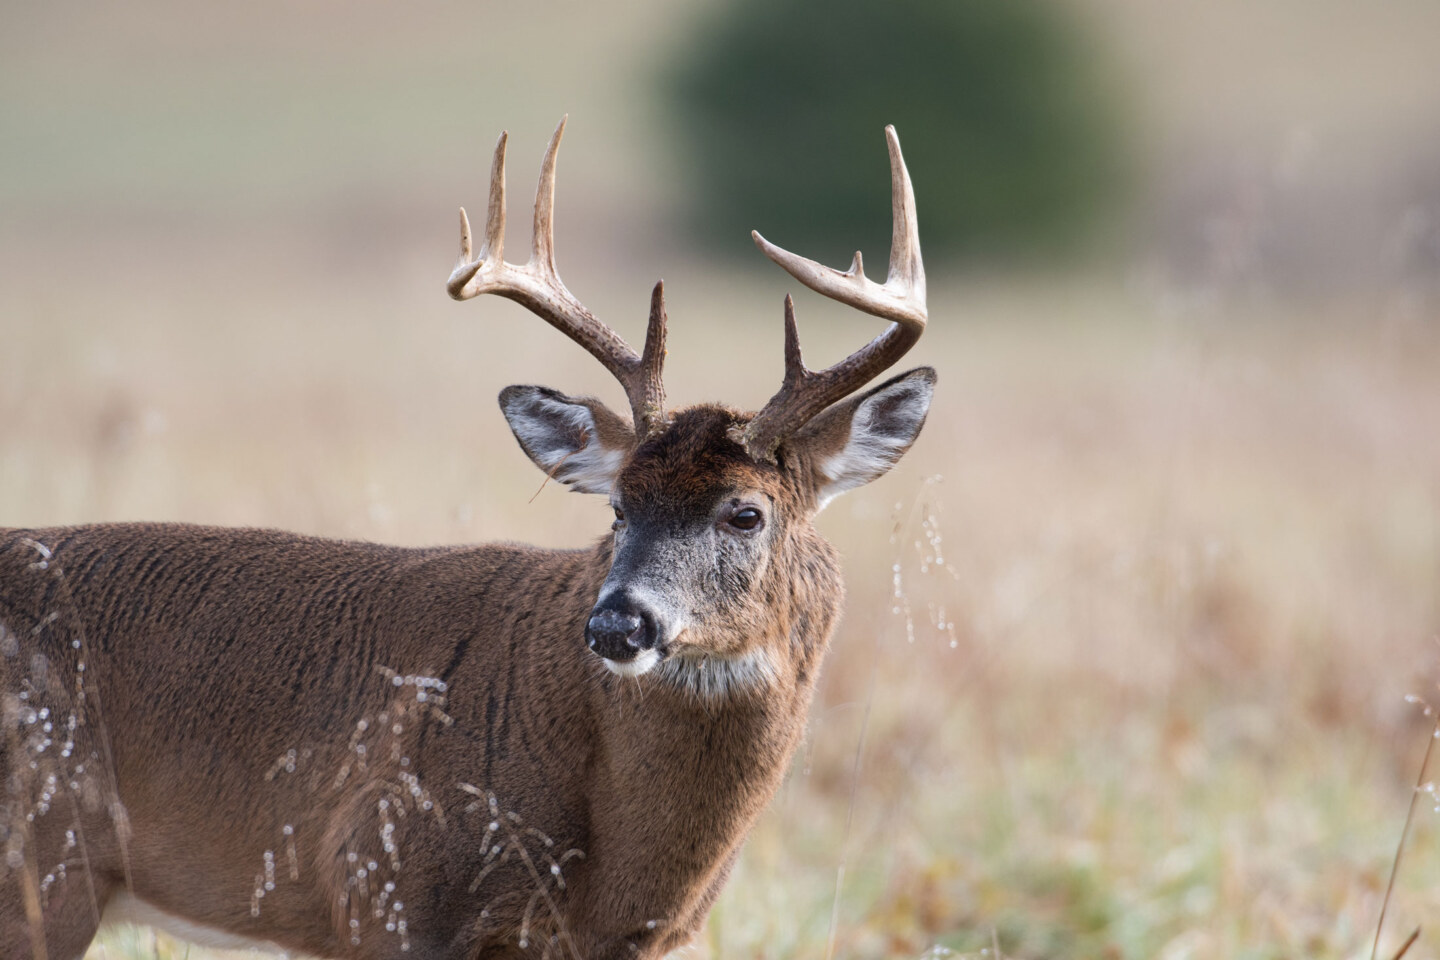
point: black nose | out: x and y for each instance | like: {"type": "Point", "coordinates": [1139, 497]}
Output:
{"type": "Point", "coordinates": [619, 630]}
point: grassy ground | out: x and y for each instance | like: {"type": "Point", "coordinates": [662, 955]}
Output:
{"type": "Point", "coordinates": [1165, 575]}
{"type": "Point", "coordinates": [1151, 703]}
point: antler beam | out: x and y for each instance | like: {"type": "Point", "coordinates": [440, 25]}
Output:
{"type": "Point", "coordinates": [536, 285]}
{"type": "Point", "coordinates": [901, 299]}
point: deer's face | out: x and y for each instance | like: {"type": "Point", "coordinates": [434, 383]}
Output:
{"type": "Point", "coordinates": [697, 524]}
{"type": "Point", "coordinates": [704, 535]}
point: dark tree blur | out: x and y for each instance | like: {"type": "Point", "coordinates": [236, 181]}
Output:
{"type": "Point", "coordinates": [1000, 107]}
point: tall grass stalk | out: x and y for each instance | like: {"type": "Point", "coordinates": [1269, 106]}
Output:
{"type": "Point", "coordinates": [1400, 847]}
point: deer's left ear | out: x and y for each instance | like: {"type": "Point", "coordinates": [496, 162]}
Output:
{"type": "Point", "coordinates": [860, 439]}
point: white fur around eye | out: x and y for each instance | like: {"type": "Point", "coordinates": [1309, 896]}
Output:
{"type": "Point", "coordinates": [882, 429]}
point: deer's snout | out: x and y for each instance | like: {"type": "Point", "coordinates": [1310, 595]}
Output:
{"type": "Point", "coordinates": [623, 632]}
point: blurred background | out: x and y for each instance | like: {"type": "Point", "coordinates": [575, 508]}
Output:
{"type": "Point", "coordinates": [1129, 633]}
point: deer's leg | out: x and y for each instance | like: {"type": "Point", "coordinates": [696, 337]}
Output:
{"type": "Point", "coordinates": [57, 843]}
{"type": "Point", "coordinates": [50, 902]}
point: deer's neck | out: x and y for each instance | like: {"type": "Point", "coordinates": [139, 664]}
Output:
{"type": "Point", "coordinates": [680, 780]}
{"type": "Point", "coordinates": [688, 757]}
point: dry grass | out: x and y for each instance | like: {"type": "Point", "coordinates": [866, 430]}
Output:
{"type": "Point", "coordinates": [1153, 704]}
{"type": "Point", "coordinates": [1191, 543]}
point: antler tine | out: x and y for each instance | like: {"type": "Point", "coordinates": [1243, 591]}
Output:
{"type": "Point", "coordinates": [536, 285]}
{"type": "Point", "coordinates": [493, 246]}
{"type": "Point", "coordinates": [907, 270]}
{"type": "Point", "coordinates": [652, 363]}
{"type": "Point", "coordinates": [542, 237]}
{"type": "Point", "coordinates": [901, 299]}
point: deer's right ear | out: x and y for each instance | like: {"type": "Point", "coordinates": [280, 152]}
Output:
{"type": "Point", "coordinates": [577, 440]}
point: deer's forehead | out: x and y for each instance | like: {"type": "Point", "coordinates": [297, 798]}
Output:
{"type": "Point", "coordinates": [695, 464]}
{"type": "Point", "coordinates": [672, 485]}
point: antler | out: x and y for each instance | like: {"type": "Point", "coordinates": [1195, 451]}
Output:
{"type": "Point", "coordinates": [537, 286]}
{"type": "Point", "coordinates": [804, 392]}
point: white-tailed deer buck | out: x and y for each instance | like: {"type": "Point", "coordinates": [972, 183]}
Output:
{"type": "Point", "coordinates": [352, 750]}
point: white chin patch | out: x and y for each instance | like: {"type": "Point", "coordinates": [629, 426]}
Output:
{"type": "Point", "coordinates": [644, 663]}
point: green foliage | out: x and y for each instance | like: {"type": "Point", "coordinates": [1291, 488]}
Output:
{"type": "Point", "coordinates": [1012, 145]}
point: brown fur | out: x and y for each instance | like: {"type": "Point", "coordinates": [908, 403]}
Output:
{"type": "Point", "coordinates": [237, 683]}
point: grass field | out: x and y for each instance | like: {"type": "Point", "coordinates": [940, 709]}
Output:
{"type": "Point", "coordinates": [1124, 664]}
{"type": "Point", "coordinates": [1166, 573]}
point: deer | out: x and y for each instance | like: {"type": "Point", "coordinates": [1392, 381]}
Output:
{"type": "Point", "coordinates": [348, 750]}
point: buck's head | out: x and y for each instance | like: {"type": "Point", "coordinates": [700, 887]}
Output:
{"type": "Point", "coordinates": [714, 508]}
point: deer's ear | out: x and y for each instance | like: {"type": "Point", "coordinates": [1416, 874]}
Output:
{"type": "Point", "coordinates": [577, 440]}
{"type": "Point", "coordinates": [860, 439]}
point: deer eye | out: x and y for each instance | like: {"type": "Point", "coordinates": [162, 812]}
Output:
{"type": "Point", "coordinates": [747, 519]}
{"type": "Point", "coordinates": [619, 519]}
